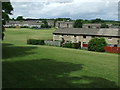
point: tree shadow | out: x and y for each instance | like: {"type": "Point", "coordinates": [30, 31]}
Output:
{"type": "Point", "coordinates": [48, 73]}
{"type": "Point", "coordinates": [9, 51]}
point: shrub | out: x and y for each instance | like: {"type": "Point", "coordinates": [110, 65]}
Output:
{"type": "Point", "coordinates": [97, 44]}
{"type": "Point", "coordinates": [23, 26]}
{"type": "Point", "coordinates": [62, 40]}
{"type": "Point", "coordinates": [35, 42]}
{"type": "Point", "coordinates": [34, 27]}
{"type": "Point", "coordinates": [32, 41]}
{"type": "Point", "coordinates": [68, 45]}
{"type": "Point", "coordinates": [10, 27]}
{"type": "Point", "coordinates": [75, 45]}
{"type": "Point", "coordinates": [41, 42]}
{"type": "Point", "coordinates": [103, 25]}
{"type": "Point", "coordinates": [78, 24]}
{"type": "Point", "coordinates": [45, 26]}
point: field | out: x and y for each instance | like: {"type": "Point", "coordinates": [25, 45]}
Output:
{"type": "Point", "coordinates": [41, 66]}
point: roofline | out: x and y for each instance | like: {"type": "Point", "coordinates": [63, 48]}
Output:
{"type": "Point", "coordinates": [86, 35]}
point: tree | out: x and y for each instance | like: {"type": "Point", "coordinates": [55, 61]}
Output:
{"type": "Point", "coordinates": [97, 20]}
{"type": "Point", "coordinates": [78, 24]}
{"type": "Point", "coordinates": [45, 25]}
{"type": "Point", "coordinates": [103, 25]}
{"type": "Point", "coordinates": [97, 44]}
{"type": "Point", "coordinates": [20, 18]}
{"type": "Point", "coordinates": [6, 11]}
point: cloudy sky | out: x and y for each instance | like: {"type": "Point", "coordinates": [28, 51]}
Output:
{"type": "Point", "coordinates": [75, 9]}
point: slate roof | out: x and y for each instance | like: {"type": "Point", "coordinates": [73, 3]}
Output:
{"type": "Point", "coordinates": [95, 24]}
{"type": "Point", "coordinates": [91, 24]}
{"type": "Point", "coordinates": [88, 31]}
{"type": "Point", "coordinates": [71, 22]}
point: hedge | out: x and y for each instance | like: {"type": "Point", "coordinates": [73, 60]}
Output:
{"type": "Point", "coordinates": [68, 45]}
{"type": "Point", "coordinates": [24, 27]}
{"type": "Point", "coordinates": [75, 45]}
{"type": "Point", "coordinates": [35, 42]}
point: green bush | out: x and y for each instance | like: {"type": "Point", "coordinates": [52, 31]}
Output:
{"type": "Point", "coordinates": [78, 24]}
{"type": "Point", "coordinates": [33, 27]}
{"type": "Point", "coordinates": [62, 41]}
{"type": "Point", "coordinates": [68, 45]}
{"type": "Point", "coordinates": [23, 26]}
{"type": "Point", "coordinates": [97, 44]}
{"type": "Point", "coordinates": [103, 25]}
{"type": "Point", "coordinates": [41, 42]}
{"type": "Point", "coordinates": [75, 45]}
{"type": "Point", "coordinates": [35, 42]}
{"type": "Point", "coordinates": [45, 26]}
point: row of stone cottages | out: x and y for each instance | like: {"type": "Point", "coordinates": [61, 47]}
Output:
{"type": "Point", "coordinates": [84, 35]}
{"type": "Point", "coordinates": [58, 24]}
{"type": "Point", "coordinates": [29, 23]}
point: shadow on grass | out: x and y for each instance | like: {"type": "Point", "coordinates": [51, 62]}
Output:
{"type": "Point", "coordinates": [9, 51]}
{"type": "Point", "coordinates": [47, 73]}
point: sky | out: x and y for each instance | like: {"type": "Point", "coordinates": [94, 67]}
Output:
{"type": "Point", "coordinates": [74, 9]}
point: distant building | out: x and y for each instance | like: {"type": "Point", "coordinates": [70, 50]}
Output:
{"type": "Point", "coordinates": [23, 23]}
{"type": "Point", "coordinates": [50, 22]}
{"type": "Point", "coordinates": [63, 24]}
{"type": "Point", "coordinates": [95, 25]}
{"type": "Point", "coordinates": [84, 35]}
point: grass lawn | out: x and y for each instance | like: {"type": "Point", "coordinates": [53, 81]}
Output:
{"type": "Point", "coordinates": [37, 66]}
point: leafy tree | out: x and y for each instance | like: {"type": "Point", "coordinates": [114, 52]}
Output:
{"type": "Point", "coordinates": [45, 25]}
{"type": "Point", "coordinates": [6, 11]}
{"type": "Point", "coordinates": [20, 18]}
{"type": "Point", "coordinates": [78, 24]}
{"type": "Point", "coordinates": [59, 19]}
{"type": "Point", "coordinates": [97, 44]}
{"type": "Point", "coordinates": [103, 25]}
{"type": "Point", "coordinates": [97, 20]}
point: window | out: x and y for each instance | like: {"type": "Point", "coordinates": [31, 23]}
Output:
{"type": "Point", "coordinates": [67, 25]}
{"type": "Point", "coordinates": [93, 36]}
{"type": "Point", "coordinates": [58, 25]}
{"type": "Point", "coordinates": [89, 26]}
{"type": "Point", "coordinates": [118, 41]}
{"type": "Point", "coordinates": [115, 45]}
{"type": "Point", "coordinates": [74, 35]}
{"type": "Point", "coordinates": [110, 38]}
{"type": "Point", "coordinates": [84, 36]}
{"type": "Point", "coordinates": [84, 43]}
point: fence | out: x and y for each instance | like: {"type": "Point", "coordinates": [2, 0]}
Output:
{"type": "Point", "coordinates": [53, 43]}
{"type": "Point", "coordinates": [85, 45]}
{"type": "Point", "coordinates": [112, 49]}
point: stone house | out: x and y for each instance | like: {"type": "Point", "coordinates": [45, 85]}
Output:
{"type": "Point", "coordinates": [23, 23]}
{"type": "Point", "coordinates": [50, 22]}
{"type": "Point", "coordinates": [63, 24]}
{"type": "Point", "coordinates": [83, 36]}
{"type": "Point", "coordinates": [95, 25]}
{"type": "Point", "coordinates": [91, 25]}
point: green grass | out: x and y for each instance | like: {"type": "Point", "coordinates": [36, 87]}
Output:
{"type": "Point", "coordinates": [32, 66]}
{"type": "Point", "coordinates": [19, 36]}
